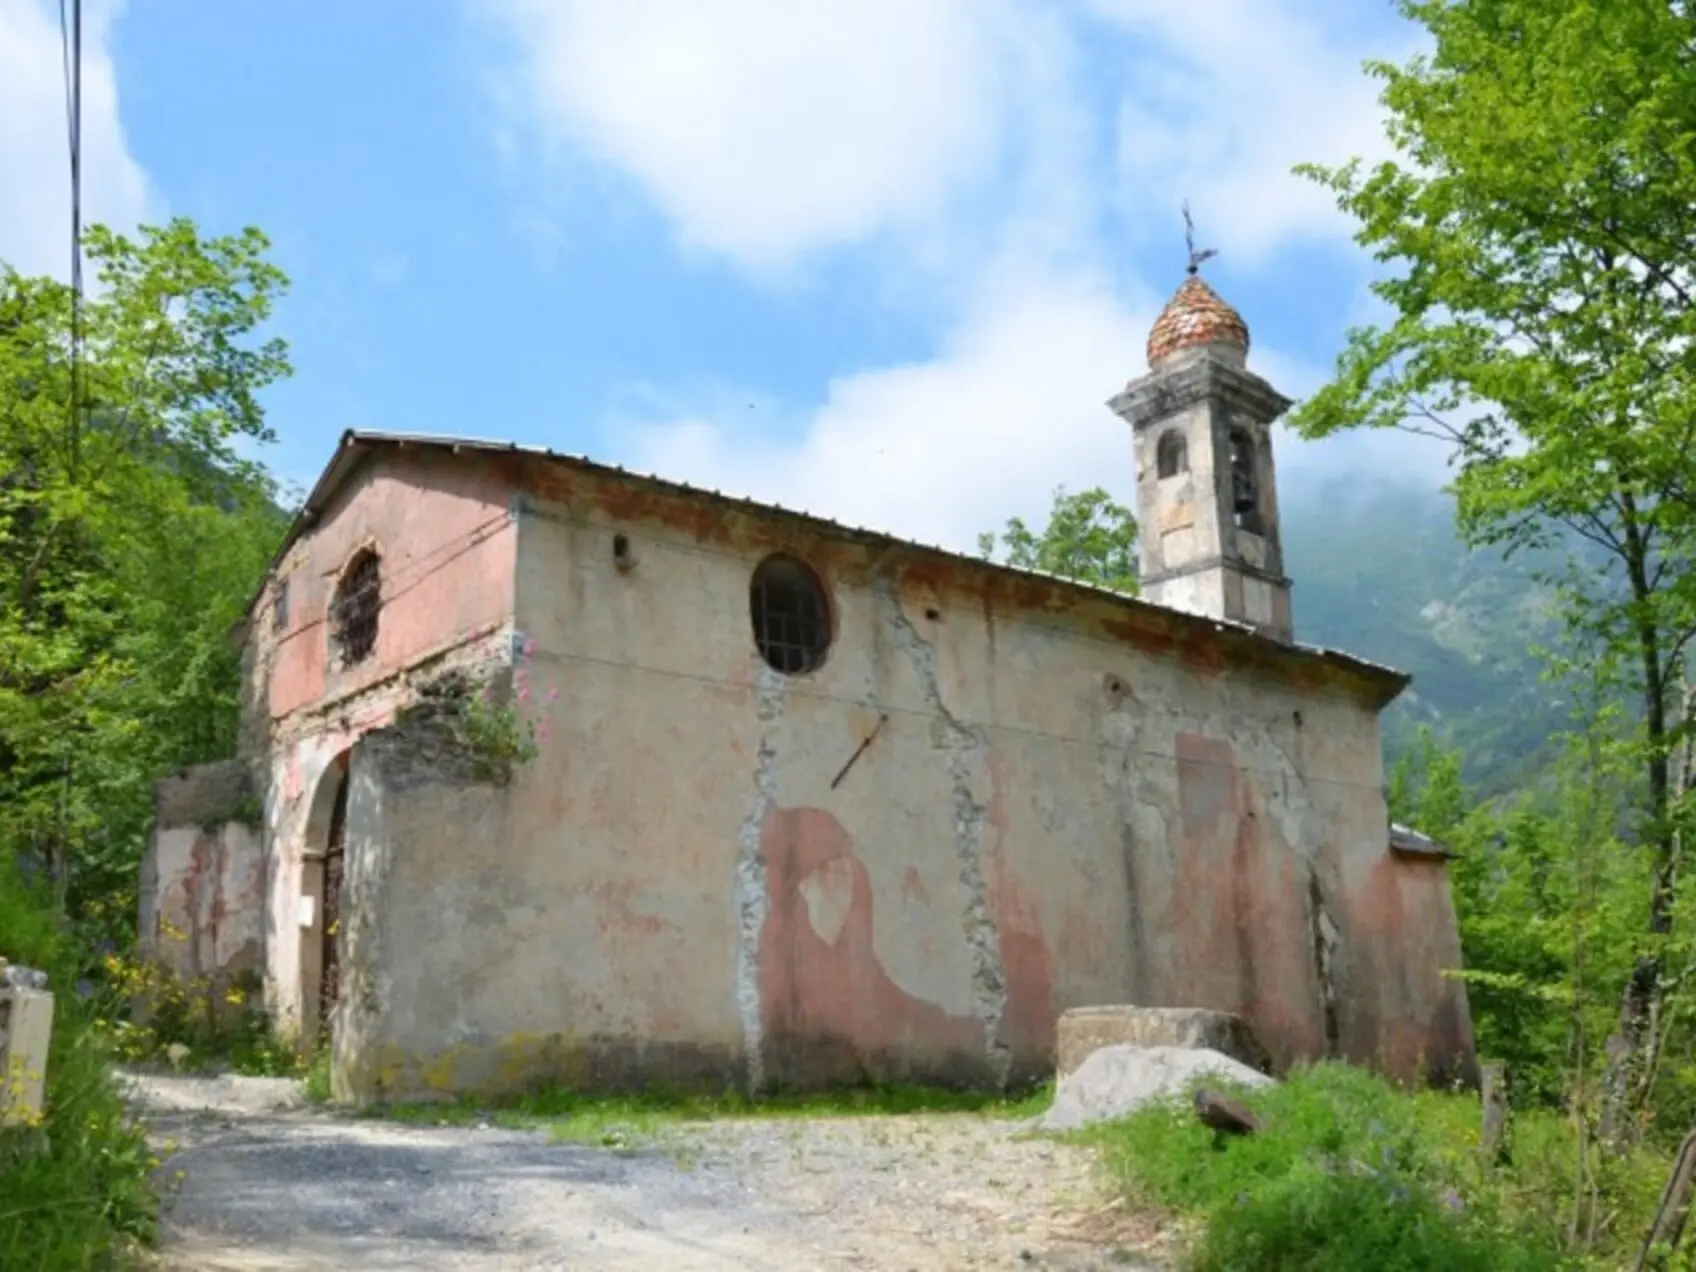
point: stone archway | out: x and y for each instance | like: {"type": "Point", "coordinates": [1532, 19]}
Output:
{"type": "Point", "coordinates": [322, 854]}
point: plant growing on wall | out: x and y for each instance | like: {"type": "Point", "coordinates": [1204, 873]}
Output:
{"type": "Point", "coordinates": [495, 725]}
{"type": "Point", "coordinates": [496, 733]}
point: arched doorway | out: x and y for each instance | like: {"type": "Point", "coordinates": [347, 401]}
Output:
{"type": "Point", "coordinates": [322, 857]}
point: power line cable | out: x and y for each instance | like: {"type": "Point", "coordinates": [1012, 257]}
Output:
{"type": "Point", "coordinates": [70, 45]}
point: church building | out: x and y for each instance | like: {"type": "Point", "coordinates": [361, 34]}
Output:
{"type": "Point", "coordinates": [570, 774]}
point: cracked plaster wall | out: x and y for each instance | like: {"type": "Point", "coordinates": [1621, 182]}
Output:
{"type": "Point", "coordinates": [444, 528]}
{"type": "Point", "coordinates": [1055, 810]}
{"type": "Point", "coordinates": [201, 892]}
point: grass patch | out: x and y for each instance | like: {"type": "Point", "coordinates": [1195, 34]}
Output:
{"type": "Point", "coordinates": [74, 1189]}
{"type": "Point", "coordinates": [1350, 1173]}
{"type": "Point", "coordinates": [622, 1121]}
{"type": "Point", "coordinates": [315, 1081]}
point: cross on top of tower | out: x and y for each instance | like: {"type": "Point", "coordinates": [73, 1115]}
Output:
{"type": "Point", "coordinates": [1196, 258]}
{"type": "Point", "coordinates": [1195, 315]}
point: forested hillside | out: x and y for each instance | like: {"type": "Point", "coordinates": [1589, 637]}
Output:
{"type": "Point", "coordinates": [1385, 575]}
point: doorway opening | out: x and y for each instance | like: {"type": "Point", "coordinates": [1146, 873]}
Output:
{"type": "Point", "coordinates": [323, 856]}
{"type": "Point", "coordinates": [329, 984]}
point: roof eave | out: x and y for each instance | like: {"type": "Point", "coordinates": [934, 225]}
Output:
{"type": "Point", "coordinates": [1378, 685]}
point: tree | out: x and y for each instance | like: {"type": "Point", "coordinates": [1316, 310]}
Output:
{"type": "Point", "coordinates": [1088, 537]}
{"type": "Point", "coordinates": [1537, 219]}
{"type": "Point", "coordinates": [132, 531]}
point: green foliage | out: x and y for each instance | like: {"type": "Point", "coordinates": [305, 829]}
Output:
{"type": "Point", "coordinates": [132, 534]}
{"type": "Point", "coordinates": [1318, 1220]}
{"type": "Point", "coordinates": [74, 1190]}
{"type": "Point", "coordinates": [1346, 1174]}
{"type": "Point", "coordinates": [1088, 537]}
{"type": "Point", "coordinates": [1542, 309]}
{"type": "Point", "coordinates": [497, 724]}
{"type": "Point", "coordinates": [496, 733]}
{"type": "Point", "coordinates": [315, 1082]}
{"type": "Point", "coordinates": [1548, 900]}
{"type": "Point", "coordinates": [152, 1016]}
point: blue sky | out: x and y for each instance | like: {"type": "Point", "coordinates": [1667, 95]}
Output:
{"type": "Point", "coordinates": [881, 259]}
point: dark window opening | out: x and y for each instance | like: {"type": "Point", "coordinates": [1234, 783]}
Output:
{"type": "Point", "coordinates": [622, 560]}
{"type": "Point", "coordinates": [353, 613]}
{"type": "Point", "coordinates": [1171, 455]}
{"type": "Point", "coordinates": [1245, 491]}
{"type": "Point", "coordinates": [790, 614]}
{"type": "Point", "coordinates": [280, 606]}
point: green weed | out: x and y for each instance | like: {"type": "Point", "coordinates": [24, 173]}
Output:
{"type": "Point", "coordinates": [196, 1025]}
{"type": "Point", "coordinates": [315, 1082]}
{"type": "Point", "coordinates": [1347, 1173]}
{"type": "Point", "coordinates": [74, 1189]}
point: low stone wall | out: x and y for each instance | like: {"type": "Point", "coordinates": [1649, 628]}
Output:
{"type": "Point", "coordinates": [201, 895]}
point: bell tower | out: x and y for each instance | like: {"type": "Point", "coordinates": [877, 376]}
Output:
{"type": "Point", "coordinates": [1206, 498]}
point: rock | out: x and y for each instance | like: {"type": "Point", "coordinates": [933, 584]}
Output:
{"type": "Point", "coordinates": [1084, 1029]}
{"type": "Point", "coordinates": [1218, 1113]}
{"type": "Point", "coordinates": [1117, 1080]}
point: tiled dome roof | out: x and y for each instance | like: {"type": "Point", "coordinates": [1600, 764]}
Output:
{"type": "Point", "coordinates": [1195, 316]}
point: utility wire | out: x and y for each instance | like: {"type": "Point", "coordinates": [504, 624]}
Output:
{"type": "Point", "coordinates": [70, 44]}
{"type": "Point", "coordinates": [409, 576]}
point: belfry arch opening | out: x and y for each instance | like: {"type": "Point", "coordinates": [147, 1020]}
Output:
{"type": "Point", "coordinates": [323, 853]}
{"type": "Point", "coordinates": [1171, 455]}
{"type": "Point", "coordinates": [1245, 483]}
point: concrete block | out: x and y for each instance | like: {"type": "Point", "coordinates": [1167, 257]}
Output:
{"type": "Point", "coordinates": [26, 1028]}
{"type": "Point", "coordinates": [1084, 1030]}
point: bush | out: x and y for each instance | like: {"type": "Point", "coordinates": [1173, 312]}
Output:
{"type": "Point", "coordinates": [198, 1023]}
{"type": "Point", "coordinates": [74, 1190]}
{"type": "Point", "coordinates": [1346, 1173]}
{"type": "Point", "coordinates": [1315, 1220]}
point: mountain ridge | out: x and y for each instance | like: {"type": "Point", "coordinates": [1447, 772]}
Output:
{"type": "Point", "coordinates": [1384, 575]}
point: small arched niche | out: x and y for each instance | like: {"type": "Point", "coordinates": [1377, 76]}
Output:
{"type": "Point", "coordinates": [1171, 454]}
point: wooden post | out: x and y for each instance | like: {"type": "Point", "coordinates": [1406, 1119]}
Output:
{"type": "Point", "coordinates": [1495, 1091]}
{"type": "Point", "coordinates": [1668, 1225]}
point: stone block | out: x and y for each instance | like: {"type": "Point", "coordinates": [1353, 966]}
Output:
{"type": "Point", "coordinates": [26, 1029]}
{"type": "Point", "coordinates": [1083, 1030]}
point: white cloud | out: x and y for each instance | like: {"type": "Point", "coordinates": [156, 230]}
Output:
{"type": "Point", "coordinates": [1224, 97]}
{"type": "Point", "coordinates": [971, 135]}
{"type": "Point", "coordinates": [941, 449]}
{"type": "Point", "coordinates": [1012, 405]}
{"type": "Point", "coordinates": [765, 129]}
{"type": "Point", "coordinates": [35, 198]}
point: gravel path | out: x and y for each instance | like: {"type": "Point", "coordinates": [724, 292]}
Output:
{"type": "Point", "coordinates": [256, 1181]}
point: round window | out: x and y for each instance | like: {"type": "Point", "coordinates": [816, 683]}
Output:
{"type": "Point", "coordinates": [790, 614]}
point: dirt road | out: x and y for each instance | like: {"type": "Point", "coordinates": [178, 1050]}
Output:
{"type": "Point", "coordinates": [257, 1181]}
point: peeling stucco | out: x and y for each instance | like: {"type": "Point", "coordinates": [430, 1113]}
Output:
{"type": "Point", "coordinates": [674, 889]}
{"type": "Point", "coordinates": [967, 747]}
{"type": "Point", "coordinates": [751, 900]}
